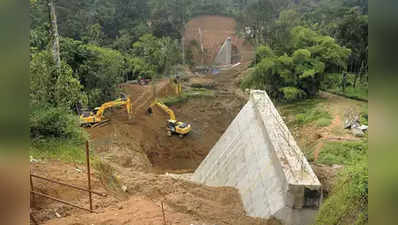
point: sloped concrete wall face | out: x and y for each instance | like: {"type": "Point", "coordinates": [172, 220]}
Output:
{"type": "Point", "coordinates": [246, 158]}
{"type": "Point", "coordinates": [224, 55]}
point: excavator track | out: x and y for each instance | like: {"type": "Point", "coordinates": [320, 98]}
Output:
{"type": "Point", "coordinates": [101, 124]}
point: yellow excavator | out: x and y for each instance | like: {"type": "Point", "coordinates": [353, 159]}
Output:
{"type": "Point", "coordinates": [96, 118]}
{"type": "Point", "coordinates": [173, 126]}
{"type": "Point", "coordinates": [176, 84]}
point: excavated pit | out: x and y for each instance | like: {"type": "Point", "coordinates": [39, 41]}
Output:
{"type": "Point", "coordinates": [142, 143]}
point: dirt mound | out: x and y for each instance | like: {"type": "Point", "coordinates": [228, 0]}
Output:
{"type": "Point", "coordinates": [212, 31]}
{"type": "Point", "coordinates": [184, 203]}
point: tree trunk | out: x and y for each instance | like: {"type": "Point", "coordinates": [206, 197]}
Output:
{"type": "Point", "coordinates": [344, 81]}
{"type": "Point", "coordinates": [54, 33]}
{"type": "Point", "coordinates": [355, 80]}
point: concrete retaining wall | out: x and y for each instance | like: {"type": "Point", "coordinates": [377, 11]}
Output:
{"type": "Point", "coordinates": [224, 55]}
{"type": "Point", "coordinates": [258, 156]}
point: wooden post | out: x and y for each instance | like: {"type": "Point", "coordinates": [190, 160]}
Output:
{"type": "Point", "coordinates": [164, 216]}
{"type": "Point", "coordinates": [89, 175]}
{"type": "Point", "coordinates": [31, 189]}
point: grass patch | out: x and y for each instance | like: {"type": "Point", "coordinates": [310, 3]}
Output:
{"type": "Point", "coordinates": [186, 95]}
{"type": "Point", "coordinates": [324, 122]}
{"type": "Point", "coordinates": [342, 153]}
{"type": "Point", "coordinates": [321, 117]}
{"type": "Point", "coordinates": [59, 149]}
{"type": "Point", "coordinates": [308, 111]}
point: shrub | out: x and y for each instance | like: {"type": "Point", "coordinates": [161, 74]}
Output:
{"type": "Point", "coordinates": [291, 94]}
{"type": "Point", "coordinates": [54, 122]}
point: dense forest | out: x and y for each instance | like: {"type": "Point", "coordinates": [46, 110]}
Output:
{"type": "Point", "coordinates": [80, 51]}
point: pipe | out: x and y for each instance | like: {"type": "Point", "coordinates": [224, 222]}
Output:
{"type": "Point", "coordinates": [61, 201]}
{"type": "Point", "coordinates": [68, 185]}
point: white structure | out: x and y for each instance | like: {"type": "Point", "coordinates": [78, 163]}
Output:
{"type": "Point", "coordinates": [224, 55]}
{"type": "Point", "coordinates": [259, 156]}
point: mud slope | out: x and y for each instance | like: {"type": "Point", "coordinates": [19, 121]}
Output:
{"type": "Point", "coordinates": [215, 30]}
{"type": "Point", "coordinates": [142, 144]}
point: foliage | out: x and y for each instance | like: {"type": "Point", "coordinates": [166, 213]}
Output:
{"type": "Point", "coordinates": [292, 94]}
{"type": "Point", "coordinates": [137, 67]}
{"type": "Point", "coordinates": [262, 52]}
{"type": "Point", "coordinates": [54, 122]}
{"type": "Point", "coordinates": [352, 32]}
{"type": "Point", "coordinates": [101, 74]}
{"type": "Point", "coordinates": [53, 86]}
{"type": "Point", "coordinates": [159, 53]}
{"type": "Point", "coordinates": [298, 72]}
{"type": "Point", "coordinates": [348, 203]}
{"type": "Point", "coordinates": [355, 85]}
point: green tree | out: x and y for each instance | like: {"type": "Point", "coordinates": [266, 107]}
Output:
{"type": "Point", "coordinates": [160, 53]}
{"type": "Point", "coordinates": [298, 72]}
{"type": "Point", "coordinates": [67, 91]}
{"type": "Point", "coordinates": [101, 74]}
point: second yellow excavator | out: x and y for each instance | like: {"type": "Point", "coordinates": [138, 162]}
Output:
{"type": "Point", "coordinates": [173, 126]}
{"type": "Point", "coordinates": [96, 117]}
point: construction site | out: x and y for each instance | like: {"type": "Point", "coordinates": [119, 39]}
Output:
{"type": "Point", "coordinates": [238, 163]}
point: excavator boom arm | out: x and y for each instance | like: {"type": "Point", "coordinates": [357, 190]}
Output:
{"type": "Point", "coordinates": [118, 102]}
{"type": "Point", "coordinates": [164, 108]}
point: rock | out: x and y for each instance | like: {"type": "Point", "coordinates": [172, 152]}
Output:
{"type": "Point", "coordinates": [357, 132]}
{"type": "Point", "coordinates": [124, 188]}
{"type": "Point", "coordinates": [364, 127]}
{"type": "Point", "coordinates": [347, 124]}
{"type": "Point", "coordinates": [57, 214]}
{"type": "Point", "coordinates": [32, 160]}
